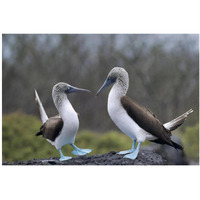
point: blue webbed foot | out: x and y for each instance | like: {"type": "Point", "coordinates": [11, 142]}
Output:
{"type": "Point", "coordinates": [80, 152]}
{"type": "Point", "coordinates": [62, 157]}
{"type": "Point", "coordinates": [130, 150]}
{"type": "Point", "coordinates": [133, 155]}
{"type": "Point", "coordinates": [65, 158]}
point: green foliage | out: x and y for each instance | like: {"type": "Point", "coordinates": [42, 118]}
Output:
{"type": "Point", "coordinates": [18, 138]}
{"type": "Point", "coordinates": [190, 140]}
{"type": "Point", "coordinates": [20, 143]}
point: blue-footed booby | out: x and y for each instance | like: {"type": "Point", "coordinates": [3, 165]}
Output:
{"type": "Point", "coordinates": [62, 128]}
{"type": "Point", "coordinates": [137, 122]}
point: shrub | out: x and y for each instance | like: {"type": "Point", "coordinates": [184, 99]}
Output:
{"type": "Point", "coordinates": [19, 141]}
{"type": "Point", "coordinates": [18, 138]}
{"type": "Point", "coordinates": [190, 140]}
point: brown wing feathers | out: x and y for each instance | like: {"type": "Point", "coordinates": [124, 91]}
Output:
{"type": "Point", "coordinates": [148, 121]}
{"type": "Point", "coordinates": [51, 128]}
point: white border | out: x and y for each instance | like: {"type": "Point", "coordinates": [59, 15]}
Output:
{"type": "Point", "coordinates": [99, 182]}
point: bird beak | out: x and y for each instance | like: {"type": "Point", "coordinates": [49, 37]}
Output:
{"type": "Point", "coordinates": [73, 89]}
{"type": "Point", "coordinates": [105, 85]}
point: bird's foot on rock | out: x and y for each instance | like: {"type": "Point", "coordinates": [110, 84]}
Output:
{"type": "Point", "coordinates": [127, 151]}
{"type": "Point", "coordinates": [133, 155]}
{"type": "Point", "coordinates": [63, 158]}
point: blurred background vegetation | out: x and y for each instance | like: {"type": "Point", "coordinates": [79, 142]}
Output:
{"type": "Point", "coordinates": [163, 72]}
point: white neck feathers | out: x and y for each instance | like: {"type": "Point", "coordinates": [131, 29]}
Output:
{"type": "Point", "coordinates": [63, 105]}
{"type": "Point", "coordinates": [120, 87]}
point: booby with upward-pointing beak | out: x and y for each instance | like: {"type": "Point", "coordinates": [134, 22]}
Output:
{"type": "Point", "coordinates": [61, 129]}
{"type": "Point", "coordinates": [135, 121]}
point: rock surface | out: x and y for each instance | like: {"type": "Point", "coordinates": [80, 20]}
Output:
{"type": "Point", "coordinates": [173, 156]}
{"type": "Point", "coordinates": [112, 158]}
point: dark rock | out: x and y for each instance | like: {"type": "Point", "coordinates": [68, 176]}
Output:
{"type": "Point", "coordinates": [112, 158]}
{"type": "Point", "coordinates": [173, 156]}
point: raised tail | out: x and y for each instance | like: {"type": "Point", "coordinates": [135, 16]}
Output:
{"type": "Point", "coordinates": [43, 115]}
{"type": "Point", "coordinates": [175, 123]}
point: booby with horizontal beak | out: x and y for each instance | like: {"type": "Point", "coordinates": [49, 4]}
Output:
{"type": "Point", "coordinates": [62, 128]}
{"type": "Point", "coordinates": [137, 122]}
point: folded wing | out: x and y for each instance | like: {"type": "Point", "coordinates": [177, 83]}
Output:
{"type": "Point", "coordinates": [51, 128]}
{"type": "Point", "coordinates": [147, 121]}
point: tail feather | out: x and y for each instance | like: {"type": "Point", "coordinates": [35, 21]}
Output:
{"type": "Point", "coordinates": [39, 133]}
{"type": "Point", "coordinates": [43, 115]}
{"type": "Point", "coordinates": [175, 123]}
{"type": "Point", "coordinates": [171, 143]}
{"type": "Point", "coordinates": [177, 146]}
